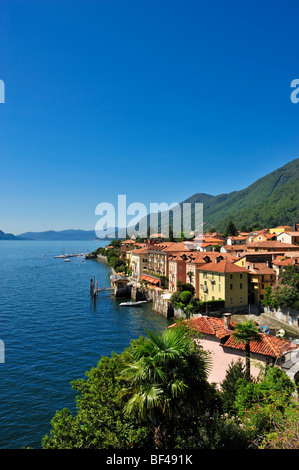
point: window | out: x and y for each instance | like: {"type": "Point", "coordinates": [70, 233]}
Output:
{"type": "Point", "coordinates": [231, 287]}
{"type": "Point", "coordinates": [241, 276]}
{"type": "Point", "coordinates": [230, 276]}
{"type": "Point", "coordinates": [263, 286]}
{"type": "Point", "coordinates": [231, 300]}
{"type": "Point", "coordinates": [241, 285]}
{"type": "Point", "coordinates": [219, 287]}
{"type": "Point", "coordinates": [241, 300]}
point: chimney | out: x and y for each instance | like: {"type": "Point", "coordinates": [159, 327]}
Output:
{"type": "Point", "coordinates": [227, 317]}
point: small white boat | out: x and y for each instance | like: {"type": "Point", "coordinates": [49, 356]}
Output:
{"type": "Point", "coordinates": [280, 333]}
{"type": "Point", "coordinates": [133, 304]}
{"type": "Point", "coordinates": [66, 260]}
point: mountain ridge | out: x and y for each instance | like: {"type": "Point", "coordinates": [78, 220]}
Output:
{"type": "Point", "coordinates": [271, 200]}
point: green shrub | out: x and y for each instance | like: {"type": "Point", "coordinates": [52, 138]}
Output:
{"type": "Point", "coordinates": [186, 297]}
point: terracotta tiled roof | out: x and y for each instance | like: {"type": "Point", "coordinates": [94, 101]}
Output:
{"type": "Point", "coordinates": [268, 346]}
{"type": "Point", "coordinates": [179, 246]}
{"type": "Point", "coordinates": [149, 279]}
{"type": "Point", "coordinates": [270, 244]}
{"type": "Point", "coordinates": [209, 326]}
{"type": "Point", "coordinates": [282, 261]}
{"type": "Point", "coordinates": [235, 247]}
{"type": "Point", "coordinates": [238, 237]}
{"type": "Point", "coordinates": [259, 268]}
{"type": "Point", "coordinates": [214, 240]}
{"type": "Point", "coordinates": [140, 251]}
{"type": "Point", "coordinates": [223, 267]}
{"type": "Point", "coordinates": [186, 256]}
{"type": "Point", "coordinates": [207, 257]}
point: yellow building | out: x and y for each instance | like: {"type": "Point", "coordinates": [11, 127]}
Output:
{"type": "Point", "coordinates": [139, 262]}
{"type": "Point", "coordinates": [223, 280]}
{"type": "Point", "coordinates": [260, 275]}
{"type": "Point", "coordinates": [280, 229]}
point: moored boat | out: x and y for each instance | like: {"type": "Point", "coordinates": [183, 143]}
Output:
{"type": "Point", "coordinates": [133, 303]}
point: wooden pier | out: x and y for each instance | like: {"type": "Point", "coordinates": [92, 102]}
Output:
{"type": "Point", "coordinates": [119, 287]}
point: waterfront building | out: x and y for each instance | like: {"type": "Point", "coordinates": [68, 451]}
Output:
{"type": "Point", "coordinates": [223, 280]}
{"type": "Point", "coordinates": [139, 262]}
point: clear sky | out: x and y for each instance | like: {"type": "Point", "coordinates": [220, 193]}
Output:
{"type": "Point", "coordinates": [155, 99]}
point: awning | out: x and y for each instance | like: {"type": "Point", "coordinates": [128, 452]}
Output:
{"type": "Point", "coordinates": [150, 279]}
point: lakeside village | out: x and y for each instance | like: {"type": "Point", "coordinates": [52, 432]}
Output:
{"type": "Point", "coordinates": [212, 282]}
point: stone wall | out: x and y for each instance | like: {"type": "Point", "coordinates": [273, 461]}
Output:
{"type": "Point", "coordinates": [102, 258]}
{"type": "Point", "coordinates": [284, 315]}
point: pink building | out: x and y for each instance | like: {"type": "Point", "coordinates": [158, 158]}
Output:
{"type": "Point", "coordinates": [215, 336]}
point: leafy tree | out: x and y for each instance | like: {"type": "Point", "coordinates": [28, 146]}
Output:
{"type": "Point", "coordinates": [100, 422]}
{"type": "Point", "coordinates": [230, 385]}
{"type": "Point", "coordinates": [290, 276]}
{"type": "Point", "coordinates": [231, 229]}
{"type": "Point", "coordinates": [186, 297]}
{"type": "Point", "coordinates": [245, 333]}
{"type": "Point", "coordinates": [265, 402]}
{"type": "Point", "coordinates": [164, 373]}
{"type": "Point", "coordinates": [285, 293]}
{"type": "Point", "coordinates": [267, 301]}
{"type": "Point", "coordinates": [116, 243]}
{"type": "Point", "coordinates": [186, 286]}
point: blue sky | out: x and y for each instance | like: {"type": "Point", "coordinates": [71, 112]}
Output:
{"type": "Point", "coordinates": [157, 100]}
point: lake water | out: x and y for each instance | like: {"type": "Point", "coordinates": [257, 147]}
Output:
{"type": "Point", "coordinates": [53, 333]}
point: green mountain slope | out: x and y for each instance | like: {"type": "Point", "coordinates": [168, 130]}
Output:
{"type": "Point", "coordinates": [280, 208]}
{"type": "Point", "coordinates": [255, 196]}
{"type": "Point", "coordinates": [271, 193]}
{"type": "Point", "coordinates": [270, 201]}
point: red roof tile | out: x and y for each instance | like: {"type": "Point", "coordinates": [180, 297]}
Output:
{"type": "Point", "coordinates": [223, 267]}
{"type": "Point", "coordinates": [268, 346]}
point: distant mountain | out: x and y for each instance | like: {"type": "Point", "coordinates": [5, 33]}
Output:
{"type": "Point", "coordinates": [10, 236]}
{"type": "Point", "coordinates": [61, 235]}
{"type": "Point", "coordinates": [270, 201]}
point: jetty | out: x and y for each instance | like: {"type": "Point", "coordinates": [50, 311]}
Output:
{"type": "Point", "coordinates": [71, 255]}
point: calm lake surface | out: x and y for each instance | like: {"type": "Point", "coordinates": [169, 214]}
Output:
{"type": "Point", "coordinates": [53, 333]}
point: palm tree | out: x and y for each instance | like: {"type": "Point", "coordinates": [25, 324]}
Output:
{"type": "Point", "coordinates": [164, 369]}
{"type": "Point", "coordinates": [245, 333]}
{"type": "Point", "coordinates": [190, 275]}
